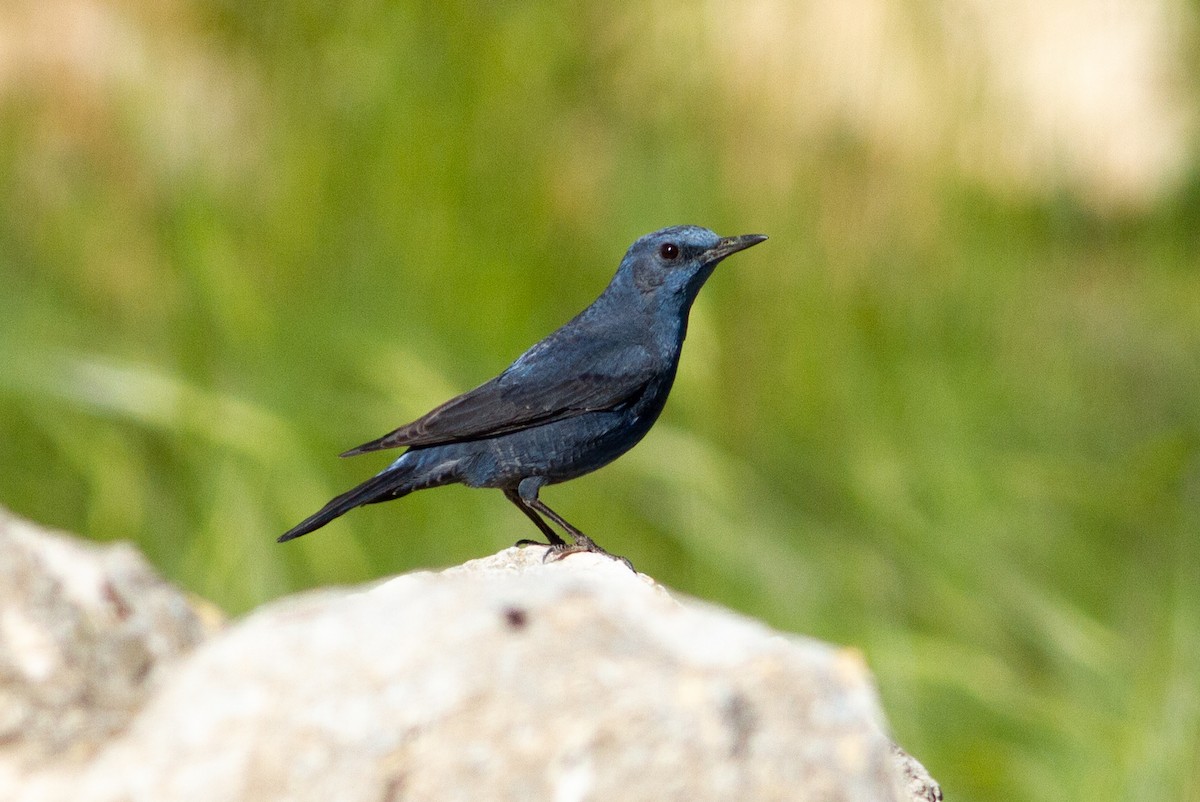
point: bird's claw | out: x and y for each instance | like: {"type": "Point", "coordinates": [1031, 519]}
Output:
{"type": "Point", "coordinates": [528, 541]}
{"type": "Point", "coordinates": [583, 543]}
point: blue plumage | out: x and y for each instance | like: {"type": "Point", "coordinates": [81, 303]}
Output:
{"type": "Point", "coordinates": [572, 403]}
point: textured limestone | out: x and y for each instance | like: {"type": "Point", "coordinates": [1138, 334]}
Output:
{"type": "Point", "coordinates": [86, 634]}
{"type": "Point", "coordinates": [504, 678]}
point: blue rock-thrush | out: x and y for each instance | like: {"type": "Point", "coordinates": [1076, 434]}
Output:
{"type": "Point", "coordinates": [572, 403]}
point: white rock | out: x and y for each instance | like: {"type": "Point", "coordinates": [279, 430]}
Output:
{"type": "Point", "coordinates": [504, 678]}
{"type": "Point", "coordinates": [86, 632]}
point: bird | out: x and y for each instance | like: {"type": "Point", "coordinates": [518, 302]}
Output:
{"type": "Point", "coordinates": [572, 403]}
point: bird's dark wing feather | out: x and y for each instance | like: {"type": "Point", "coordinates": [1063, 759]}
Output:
{"type": "Point", "coordinates": [547, 383]}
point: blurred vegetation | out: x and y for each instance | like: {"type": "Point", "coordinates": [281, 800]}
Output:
{"type": "Point", "coordinates": [949, 414]}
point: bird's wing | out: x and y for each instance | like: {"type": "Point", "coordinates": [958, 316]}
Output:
{"type": "Point", "coordinates": [550, 382]}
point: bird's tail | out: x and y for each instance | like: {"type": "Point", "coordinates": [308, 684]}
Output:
{"type": "Point", "coordinates": [391, 483]}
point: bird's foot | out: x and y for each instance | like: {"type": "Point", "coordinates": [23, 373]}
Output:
{"type": "Point", "coordinates": [557, 551]}
{"type": "Point", "coordinates": [528, 541]}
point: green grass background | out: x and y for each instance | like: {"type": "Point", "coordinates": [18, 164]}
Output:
{"type": "Point", "coordinates": [955, 427]}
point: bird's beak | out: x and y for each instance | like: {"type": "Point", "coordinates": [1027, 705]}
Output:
{"type": "Point", "coordinates": [730, 245]}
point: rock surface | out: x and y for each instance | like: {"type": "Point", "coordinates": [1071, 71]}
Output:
{"type": "Point", "coordinates": [503, 678]}
{"type": "Point", "coordinates": [85, 633]}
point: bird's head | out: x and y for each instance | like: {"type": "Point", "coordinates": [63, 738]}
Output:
{"type": "Point", "coordinates": [675, 262]}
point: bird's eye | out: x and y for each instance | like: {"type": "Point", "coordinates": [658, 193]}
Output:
{"type": "Point", "coordinates": [669, 251]}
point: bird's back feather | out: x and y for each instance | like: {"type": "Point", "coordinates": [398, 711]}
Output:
{"type": "Point", "coordinates": [546, 384]}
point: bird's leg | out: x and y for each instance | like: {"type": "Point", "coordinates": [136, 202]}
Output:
{"type": "Point", "coordinates": [581, 541]}
{"type": "Point", "coordinates": [526, 497]}
{"type": "Point", "coordinates": [550, 534]}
